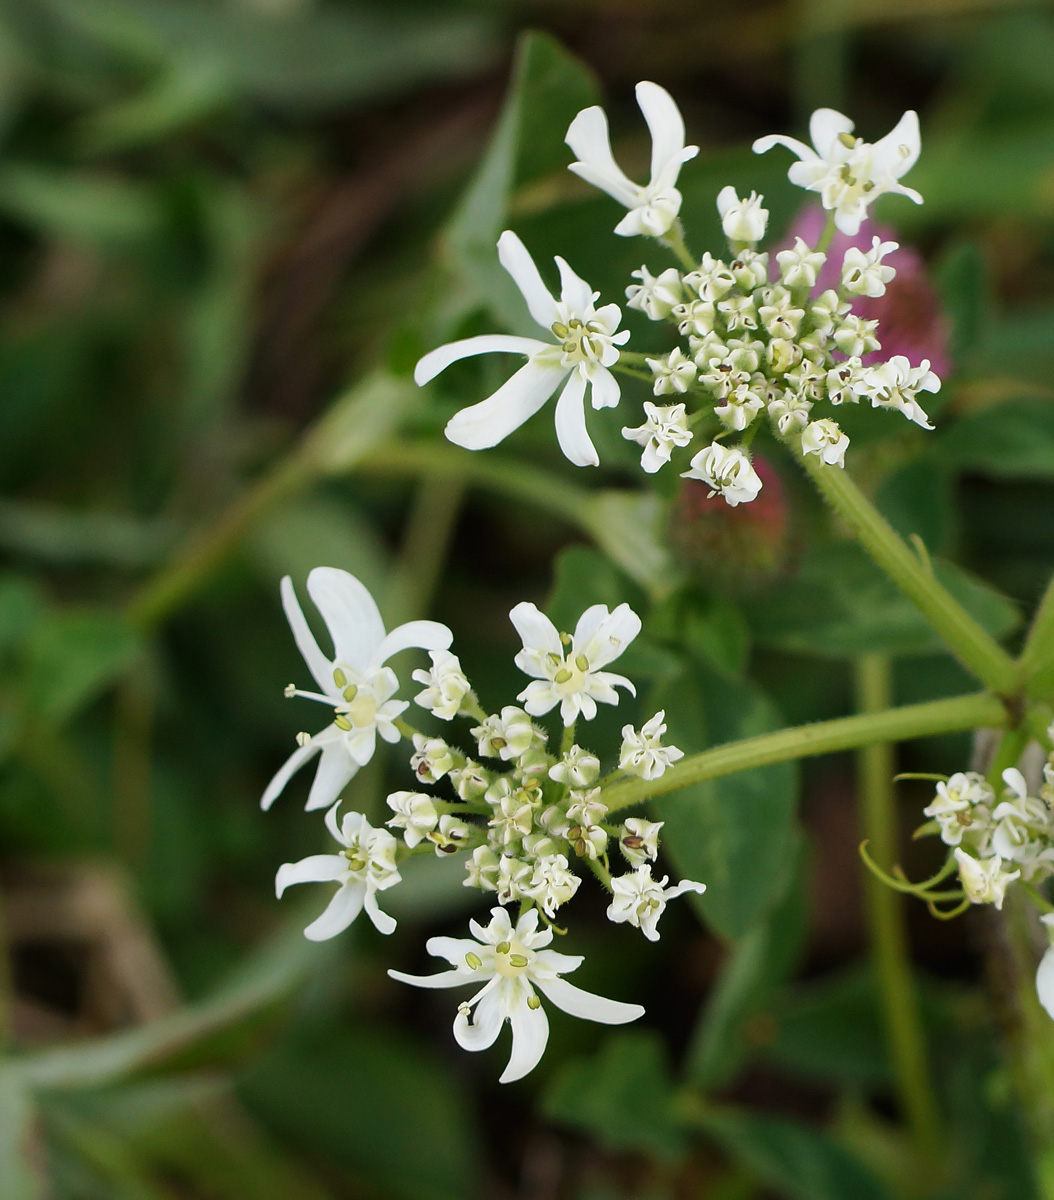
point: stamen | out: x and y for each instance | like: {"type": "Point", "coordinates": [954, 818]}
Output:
{"type": "Point", "coordinates": [474, 960]}
{"type": "Point", "coordinates": [565, 638]}
{"type": "Point", "coordinates": [302, 739]}
{"type": "Point", "coordinates": [339, 678]}
{"type": "Point", "coordinates": [562, 676]}
{"type": "Point", "coordinates": [582, 663]}
{"type": "Point", "coordinates": [342, 722]}
{"type": "Point", "coordinates": [518, 960]}
{"type": "Point", "coordinates": [847, 140]}
{"type": "Point", "coordinates": [289, 691]}
{"type": "Point", "coordinates": [502, 948]}
{"type": "Point", "coordinates": [560, 329]}
{"type": "Point", "coordinates": [350, 692]}
{"type": "Point", "coordinates": [534, 1002]}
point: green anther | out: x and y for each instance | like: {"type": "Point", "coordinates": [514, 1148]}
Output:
{"type": "Point", "coordinates": [581, 848]}
{"type": "Point", "coordinates": [574, 834]}
{"type": "Point", "coordinates": [339, 678]}
{"type": "Point", "coordinates": [565, 638]}
{"type": "Point", "coordinates": [342, 722]}
{"type": "Point", "coordinates": [499, 743]}
{"type": "Point", "coordinates": [559, 329]}
{"type": "Point", "coordinates": [570, 347]}
{"type": "Point", "coordinates": [582, 663]}
{"type": "Point", "coordinates": [350, 692]}
{"type": "Point", "coordinates": [474, 961]}
{"type": "Point", "coordinates": [534, 1002]}
{"type": "Point", "coordinates": [847, 140]}
{"type": "Point", "coordinates": [502, 948]}
{"type": "Point", "coordinates": [562, 676]}
{"type": "Point", "coordinates": [553, 658]}
{"type": "Point", "coordinates": [517, 960]}
{"type": "Point", "coordinates": [594, 327]}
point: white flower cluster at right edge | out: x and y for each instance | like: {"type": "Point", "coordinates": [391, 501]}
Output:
{"type": "Point", "coordinates": [526, 819]}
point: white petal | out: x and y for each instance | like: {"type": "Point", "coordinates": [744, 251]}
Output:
{"type": "Point", "coordinates": [487, 1018]}
{"type": "Point", "coordinates": [898, 151]}
{"type": "Point", "coordinates": [666, 126]}
{"type": "Point", "coordinates": [453, 950]}
{"type": "Point", "coordinates": [605, 388]}
{"type": "Point", "coordinates": [487, 343]}
{"type": "Point", "coordinates": [805, 153]}
{"type": "Point", "coordinates": [602, 636]}
{"type": "Point", "coordinates": [530, 1033]}
{"type": "Point", "coordinates": [427, 635]}
{"type": "Point", "coordinates": [317, 868]}
{"type": "Point", "coordinates": [286, 771]}
{"type": "Point", "coordinates": [571, 423]}
{"type": "Point", "coordinates": [686, 885]}
{"type": "Point", "coordinates": [383, 922]}
{"type": "Point", "coordinates": [445, 979]}
{"type": "Point", "coordinates": [539, 697]}
{"type": "Point", "coordinates": [516, 259]}
{"type": "Point", "coordinates": [340, 912]}
{"type": "Point", "coordinates": [359, 745]}
{"type": "Point", "coordinates": [825, 126]}
{"type": "Point", "coordinates": [586, 1005]}
{"type": "Point", "coordinates": [574, 291]}
{"type": "Point", "coordinates": [351, 616]}
{"type": "Point", "coordinates": [483, 425]}
{"type": "Point", "coordinates": [335, 769]}
{"type": "Point", "coordinates": [318, 664]}
{"type": "Point", "coordinates": [588, 138]}
{"type": "Point", "coordinates": [536, 631]}
{"type": "Point", "coordinates": [1045, 981]}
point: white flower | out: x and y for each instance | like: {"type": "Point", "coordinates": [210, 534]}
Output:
{"type": "Point", "coordinates": [432, 758]}
{"type": "Point", "coordinates": [800, 266]}
{"type": "Point", "coordinates": [586, 345]}
{"type": "Point", "coordinates": [827, 440]}
{"type": "Point", "coordinates": [855, 337]}
{"type": "Point", "coordinates": [847, 172]}
{"type": "Point", "coordinates": [866, 274]}
{"type": "Point", "coordinates": [663, 429]}
{"type": "Point", "coordinates": [363, 868]}
{"type": "Point", "coordinates": [728, 471]}
{"type": "Point", "coordinates": [481, 871]}
{"type": "Point", "coordinates": [643, 753]}
{"type": "Point", "coordinates": [509, 734]}
{"type": "Point", "coordinates": [451, 834]}
{"type": "Point", "coordinates": [673, 372]}
{"type": "Point", "coordinates": [355, 683]}
{"type": "Point", "coordinates": [642, 900]}
{"type": "Point", "coordinates": [961, 806]}
{"type": "Point", "coordinates": [790, 412]}
{"type": "Point", "coordinates": [894, 384]}
{"type": "Point", "coordinates": [446, 685]}
{"type": "Point", "coordinates": [578, 768]}
{"type": "Point", "coordinates": [742, 220]}
{"type": "Point", "coordinates": [1022, 826]}
{"type": "Point", "coordinates": [566, 672]}
{"type": "Point", "coordinates": [510, 963]}
{"type": "Point", "coordinates": [586, 808]}
{"type": "Point", "coordinates": [415, 813]}
{"type": "Point", "coordinates": [1045, 971]}
{"type": "Point", "coordinates": [471, 780]}
{"type": "Point", "coordinates": [552, 883]}
{"type": "Point", "coordinates": [984, 880]}
{"type": "Point", "coordinates": [640, 840]}
{"type": "Point", "coordinates": [657, 295]}
{"type": "Point", "coordinates": [654, 208]}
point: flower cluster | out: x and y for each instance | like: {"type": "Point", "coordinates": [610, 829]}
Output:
{"type": "Point", "coordinates": [528, 819]}
{"type": "Point", "coordinates": [761, 338]}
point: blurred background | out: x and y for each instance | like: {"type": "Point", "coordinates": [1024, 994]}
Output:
{"type": "Point", "coordinates": [228, 228]}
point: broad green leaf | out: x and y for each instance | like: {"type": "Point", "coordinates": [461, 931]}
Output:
{"type": "Point", "coordinates": [962, 280]}
{"type": "Point", "coordinates": [840, 605]}
{"type": "Point", "coordinates": [736, 834]}
{"type": "Point", "coordinates": [918, 500]}
{"type": "Point", "coordinates": [21, 603]}
{"type": "Point", "coordinates": [80, 205]}
{"type": "Point", "coordinates": [377, 1104]}
{"type": "Point", "coordinates": [623, 1096]}
{"type": "Point", "coordinates": [737, 1014]}
{"type": "Point", "coordinates": [629, 527]}
{"type": "Point", "coordinates": [71, 656]}
{"type": "Point", "coordinates": [798, 1162]}
{"type": "Point", "coordinates": [1009, 441]}
{"type": "Point", "coordinates": [20, 1159]}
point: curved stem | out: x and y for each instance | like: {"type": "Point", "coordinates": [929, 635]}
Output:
{"type": "Point", "coordinates": [807, 741]}
{"type": "Point", "coordinates": [1037, 658]}
{"type": "Point", "coordinates": [971, 645]}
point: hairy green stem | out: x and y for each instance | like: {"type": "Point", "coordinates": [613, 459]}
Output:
{"type": "Point", "coordinates": [808, 741]}
{"type": "Point", "coordinates": [974, 648]}
{"type": "Point", "coordinates": [1037, 657]}
{"type": "Point", "coordinates": [885, 916]}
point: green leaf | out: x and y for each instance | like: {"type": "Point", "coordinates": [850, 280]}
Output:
{"type": "Point", "coordinates": [1009, 441]}
{"type": "Point", "coordinates": [83, 206]}
{"type": "Point", "coordinates": [71, 656]}
{"type": "Point", "coordinates": [623, 1096]}
{"type": "Point", "coordinates": [21, 603]}
{"type": "Point", "coordinates": [629, 527]}
{"type": "Point", "coordinates": [840, 605]}
{"type": "Point", "coordinates": [20, 1177]}
{"type": "Point", "coordinates": [737, 1014]}
{"type": "Point", "coordinates": [581, 577]}
{"type": "Point", "coordinates": [799, 1162]}
{"type": "Point", "coordinates": [548, 88]}
{"type": "Point", "coordinates": [962, 279]}
{"type": "Point", "coordinates": [736, 834]}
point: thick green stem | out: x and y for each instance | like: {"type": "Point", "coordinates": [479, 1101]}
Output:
{"type": "Point", "coordinates": [885, 917]}
{"type": "Point", "coordinates": [1037, 658]}
{"type": "Point", "coordinates": [973, 647]}
{"type": "Point", "coordinates": [807, 741]}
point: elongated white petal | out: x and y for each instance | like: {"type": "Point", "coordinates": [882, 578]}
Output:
{"type": "Point", "coordinates": [805, 153]}
{"type": "Point", "coordinates": [516, 259]}
{"type": "Point", "coordinates": [453, 950]}
{"type": "Point", "coordinates": [588, 137]}
{"type": "Point", "coordinates": [530, 1033]}
{"type": "Point", "coordinates": [574, 291]}
{"type": "Point", "coordinates": [825, 126]}
{"type": "Point", "coordinates": [426, 635]}
{"type": "Point", "coordinates": [286, 771]}
{"type": "Point", "coordinates": [339, 914]}
{"type": "Point", "coordinates": [602, 636]}
{"type": "Point", "coordinates": [359, 745]}
{"type": "Point", "coordinates": [571, 430]}
{"type": "Point", "coordinates": [898, 151]}
{"type": "Point", "coordinates": [489, 422]}
{"type": "Point", "coordinates": [686, 885]}
{"type": "Point", "coordinates": [536, 631]}
{"type": "Point", "coordinates": [1045, 974]}
{"type": "Point", "coordinates": [485, 1025]}
{"type": "Point", "coordinates": [317, 663]}
{"type": "Point", "coordinates": [606, 392]}
{"type": "Point", "coordinates": [317, 868]}
{"type": "Point", "coordinates": [351, 616]}
{"type": "Point", "coordinates": [383, 922]}
{"type": "Point", "coordinates": [444, 979]}
{"type": "Point", "coordinates": [335, 769]}
{"type": "Point", "coordinates": [587, 1005]}
{"type": "Point", "coordinates": [666, 126]}
{"type": "Point", "coordinates": [487, 343]}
